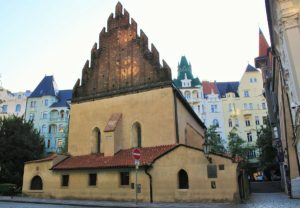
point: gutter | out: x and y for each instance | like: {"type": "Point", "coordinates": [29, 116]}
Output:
{"type": "Point", "coordinates": [150, 182]}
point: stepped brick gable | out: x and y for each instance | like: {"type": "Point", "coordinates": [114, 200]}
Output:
{"type": "Point", "coordinates": [122, 63]}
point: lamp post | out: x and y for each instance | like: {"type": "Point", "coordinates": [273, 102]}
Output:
{"type": "Point", "coordinates": [206, 149]}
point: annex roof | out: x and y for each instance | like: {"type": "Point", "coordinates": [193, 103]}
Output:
{"type": "Point", "coordinates": [123, 158]}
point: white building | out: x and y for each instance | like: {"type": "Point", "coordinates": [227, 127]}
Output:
{"type": "Point", "coordinates": [12, 103]}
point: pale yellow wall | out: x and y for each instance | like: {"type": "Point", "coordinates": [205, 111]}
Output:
{"type": "Point", "coordinates": [164, 176]}
{"type": "Point", "coordinates": [107, 188]}
{"type": "Point", "coordinates": [153, 109]}
{"type": "Point", "coordinates": [256, 98]}
{"type": "Point", "coordinates": [189, 131]}
{"type": "Point", "coordinates": [165, 184]}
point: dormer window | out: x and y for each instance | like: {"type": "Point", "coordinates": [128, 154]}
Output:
{"type": "Point", "coordinates": [186, 82]}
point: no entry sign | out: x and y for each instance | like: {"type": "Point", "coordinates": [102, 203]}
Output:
{"type": "Point", "coordinates": [136, 154]}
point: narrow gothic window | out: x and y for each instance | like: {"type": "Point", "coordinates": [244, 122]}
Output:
{"type": "Point", "coordinates": [96, 141]}
{"type": "Point", "coordinates": [183, 179]}
{"type": "Point", "coordinates": [36, 183]}
{"type": "Point", "coordinates": [137, 135]}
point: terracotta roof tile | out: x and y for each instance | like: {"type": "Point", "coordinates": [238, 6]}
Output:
{"type": "Point", "coordinates": [209, 87]}
{"type": "Point", "coordinates": [112, 122]}
{"type": "Point", "coordinates": [123, 158]}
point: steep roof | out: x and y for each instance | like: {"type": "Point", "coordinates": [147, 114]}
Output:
{"type": "Point", "coordinates": [209, 87]}
{"type": "Point", "coordinates": [123, 158]}
{"type": "Point", "coordinates": [63, 97]}
{"type": "Point", "coordinates": [225, 87]}
{"type": "Point", "coordinates": [251, 68]}
{"type": "Point", "coordinates": [47, 87]}
{"type": "Point", "coordinates": [263, 44]}
{"type": "Point", "coordinates": [185, 72]}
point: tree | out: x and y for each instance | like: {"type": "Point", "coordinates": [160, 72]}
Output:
{"type": "Point", "coordinates": [237, 146]}
{"type": "Point", "coordinates": [267, 157]}
{"type": "Point", "coordinates": [19, 142]}
{"type": "Point", "coordinates": [215, 141]}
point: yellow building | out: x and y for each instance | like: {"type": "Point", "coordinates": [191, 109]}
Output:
{"type": "Point", "coordinates": [244, 107]}
{"type": "Point", "coordinates": [126, 100]}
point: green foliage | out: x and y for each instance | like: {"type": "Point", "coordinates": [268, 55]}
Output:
{"type": "Point", "coordinates": [268, 153]}
{"type": "Point", "coordinates": [237, 146]}
{"type": "Point", "coordinates": [19, 142]}
{"type": "Point", "coordinates": [217, 144]}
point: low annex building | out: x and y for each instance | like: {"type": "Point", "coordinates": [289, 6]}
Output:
{"type": "Point", "coordinates": [126, 100]}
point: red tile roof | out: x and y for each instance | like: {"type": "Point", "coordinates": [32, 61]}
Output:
{"type": "Point", "coordinates": [123, 158]}
{"type": "Point", "coordinates": [51, 157]}
{"type": "Point", "coordinates": [209, 87]}
{"type": "Point", "coordinates": [263, 44]}
{"type": "Point", "coordinates": [112, 122]}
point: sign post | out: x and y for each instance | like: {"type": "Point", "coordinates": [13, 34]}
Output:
{"type": "Point", "coordinates": [136, 155]}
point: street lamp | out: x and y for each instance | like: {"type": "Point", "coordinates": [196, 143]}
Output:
{"type": "Point", "coordinates": [206, 149]}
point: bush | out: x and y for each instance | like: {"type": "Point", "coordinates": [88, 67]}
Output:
{"type": "Point", "coordinates": [8, 189]}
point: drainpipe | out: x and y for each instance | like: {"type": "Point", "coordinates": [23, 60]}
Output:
{"type": "Point", "coordinates": [150, 182]}
{"type": "Point", "coordinates": [176, 117]}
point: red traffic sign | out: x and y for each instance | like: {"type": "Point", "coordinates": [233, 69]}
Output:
{"type": "Point", "coordinates": [136, 154]}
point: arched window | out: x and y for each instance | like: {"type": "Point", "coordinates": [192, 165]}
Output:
{"type": "Point", "coordinates": [36, 183]}
{"type": "Point", "coordinates": [18, 108]}
{"type": "Point", "coordinates": [136, 135]}
{"type": "Point", "coordinates": [195, 94]}
{"type": "Point", "coordinates": [53, 115]}
{"type": "Point", "coordinates": [187, 94]}
{"type": "Point", "coordinates": [96, 141]}
{"type": "Point", "coordinates": [62, 114]}
{"type": "Point", "coordinates": [216, 122]}
{"type": "Point", "coordinates": [183, 179]}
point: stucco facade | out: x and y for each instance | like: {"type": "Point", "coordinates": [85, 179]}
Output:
{"type": "Point", "coordinates": [12, 103]}
{"type": "Point", "coordinates": [164, 180]}
{"type": "Point", "coordinates": [246, 111]}
{"type": "Point", "coordinates": [47, 107]}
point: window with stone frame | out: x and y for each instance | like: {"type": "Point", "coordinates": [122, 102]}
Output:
{"type": "Point", "coordinates": [124, 178]}
{"type": "Point", "coordinates": [183, 179]}
{"type": "Point", "coordinates": [92, 179]}
{"type": "Point", "coordinates": [249, 137]}
{"type": "Point", "coordinates": [257, 120]}
{"type": "Point", "coordinates": [65, 180]}
{"type": "Point", "coordinates": [247, 122]}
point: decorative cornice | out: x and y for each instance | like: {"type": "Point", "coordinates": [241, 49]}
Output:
{"type": "Point", "coordinates": [289, 14]}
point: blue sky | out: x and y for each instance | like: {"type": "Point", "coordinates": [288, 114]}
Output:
{"type": "Point", "coordinates": [54, 37]}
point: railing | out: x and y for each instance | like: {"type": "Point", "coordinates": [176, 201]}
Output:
{"type": "Point", "coordinates": [55, 135]}
{"type": "Point", "coordinates": [58, 119]}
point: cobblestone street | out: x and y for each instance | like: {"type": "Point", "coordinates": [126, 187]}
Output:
{"type": "Point", "coordinates": [263, 200]}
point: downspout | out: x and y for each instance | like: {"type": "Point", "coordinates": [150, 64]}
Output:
{"type": "Point", "coordinates": [176, 117]}
{"type": "Point", "coordinates": [150, 182]}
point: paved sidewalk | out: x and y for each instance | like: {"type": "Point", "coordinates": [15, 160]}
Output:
{"type": "Point", "coordinates": [258, 200]}
{"type": "Point", "coordinates": [88, 203]}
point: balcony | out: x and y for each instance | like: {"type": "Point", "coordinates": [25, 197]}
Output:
{"type": "Point", "coordinates": [55, 135]}
{"type": "Point", "coordinates": [58, 119]}
{"type": "Point", "coordinates": [247, 112]}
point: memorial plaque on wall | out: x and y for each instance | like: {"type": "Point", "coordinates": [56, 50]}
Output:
{"type": "Point", "coordinates": [212, 171]}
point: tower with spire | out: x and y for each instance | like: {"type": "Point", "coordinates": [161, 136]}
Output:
{"type": "Point", "coordinates": [189, 86]}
